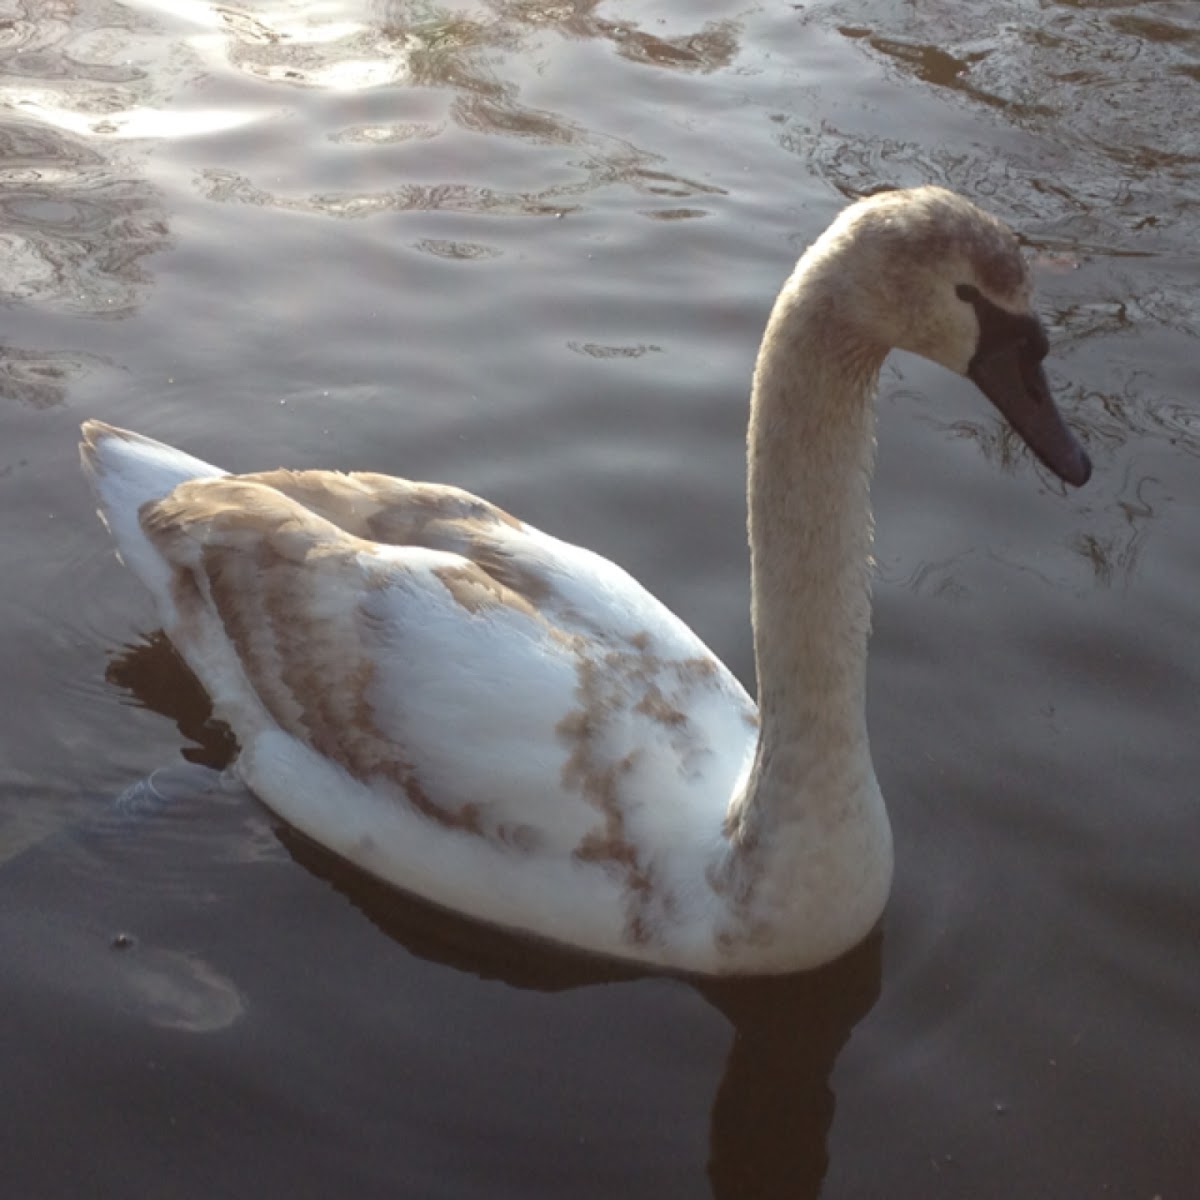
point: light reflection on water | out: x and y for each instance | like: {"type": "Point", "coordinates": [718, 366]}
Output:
{"type": "Point", "coordinates": [528, 248]}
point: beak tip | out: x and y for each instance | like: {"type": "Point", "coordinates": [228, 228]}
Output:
{"type": "Point", "coordinates": [1080, 471]}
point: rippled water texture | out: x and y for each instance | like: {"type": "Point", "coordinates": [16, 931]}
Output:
{"type": "Point", "coordinates": [529, 248]}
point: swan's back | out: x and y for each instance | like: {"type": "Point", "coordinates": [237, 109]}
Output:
{"type": "Point", "coordinates": [441, 693]}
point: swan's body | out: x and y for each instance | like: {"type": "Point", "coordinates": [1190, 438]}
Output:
{"type": "Point", "coordinates": [511, 726]}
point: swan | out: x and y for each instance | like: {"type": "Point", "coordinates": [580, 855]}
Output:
{"type": "Point", "coordinates": [509, 725]}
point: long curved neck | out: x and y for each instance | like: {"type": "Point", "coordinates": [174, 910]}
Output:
{"type": "Point", "coordinates": [811, 455]}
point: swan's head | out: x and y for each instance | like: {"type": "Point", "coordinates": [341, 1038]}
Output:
{"type": "Point", "coordinates": [941, 278]}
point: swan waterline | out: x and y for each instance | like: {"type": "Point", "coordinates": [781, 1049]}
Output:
{"type": "Point", "coordinates": [509, 725]}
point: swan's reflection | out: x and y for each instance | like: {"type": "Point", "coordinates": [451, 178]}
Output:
{"type": "Point", "coordinates": [774, 1106]}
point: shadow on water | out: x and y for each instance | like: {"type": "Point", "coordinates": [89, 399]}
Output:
{"type": "Point", "coordinates": [157, 679]}
{"type": "Point", "coordinates": [774, 1107]}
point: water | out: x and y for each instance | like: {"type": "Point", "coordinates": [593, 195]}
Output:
{"type": "Point", "coordinates": [529, 249]}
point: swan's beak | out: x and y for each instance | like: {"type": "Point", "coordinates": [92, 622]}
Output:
{"type": "Point", "coordinates": [1011, 377]}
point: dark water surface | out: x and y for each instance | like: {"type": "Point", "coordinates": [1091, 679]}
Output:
{"type": "Point", "coordinates": [529, 248]}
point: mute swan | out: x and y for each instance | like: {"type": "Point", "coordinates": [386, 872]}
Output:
{"type": "Point", "coordinates": [509, 725]}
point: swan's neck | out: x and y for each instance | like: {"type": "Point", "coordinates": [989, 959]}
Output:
{"type": "Point", "coordinates": [811, 454]}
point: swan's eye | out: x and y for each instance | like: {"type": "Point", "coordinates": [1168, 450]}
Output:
{"type": "Point", "coordinates": [966, 292]}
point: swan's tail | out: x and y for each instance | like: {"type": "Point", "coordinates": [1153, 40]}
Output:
{"type": "Point", "coordinates": [127, 471]}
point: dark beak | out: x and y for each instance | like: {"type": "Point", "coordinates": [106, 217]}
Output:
{"type": "Point", "coordinates": [1011, 377]}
